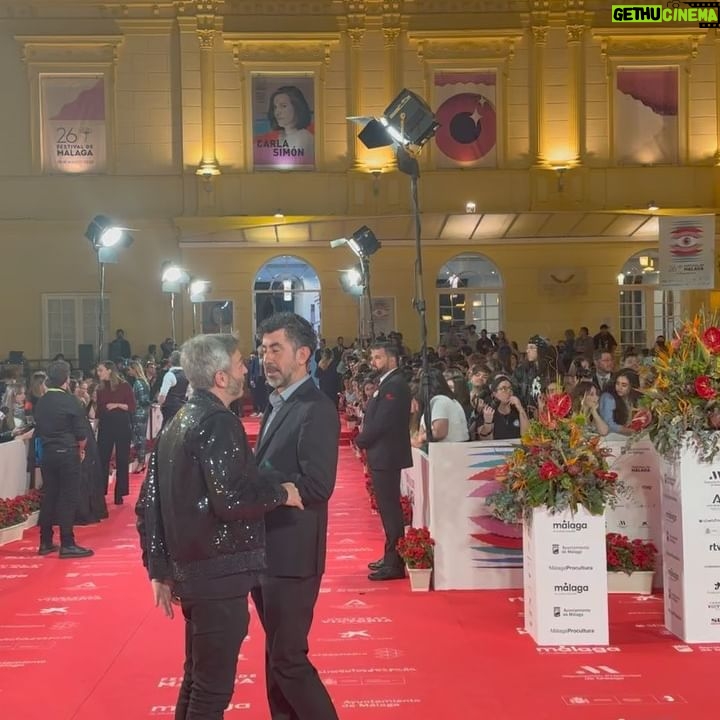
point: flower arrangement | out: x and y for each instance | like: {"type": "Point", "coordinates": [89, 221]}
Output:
{"type": "Point", "coordinates": [407, 509]}
{"type": "Point", "coordinates": [683, 402]}
{"type": "Point", "coordinates": [416, 548]}
{"type": "Point", "coordinates": [559, 465]}
{"type": "Point", "coordinates": [629, 556]}
{"type": "Point", "coordinates": [11, 512]}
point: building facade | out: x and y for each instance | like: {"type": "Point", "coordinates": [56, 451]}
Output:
{"type": "Point", "coordinates": [218, 133]}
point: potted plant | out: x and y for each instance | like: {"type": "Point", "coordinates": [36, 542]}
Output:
{"type": "Point", "coordinates": [559, 466]}
{"type": "Point", "coordinates": [407, 510]}
{"type": "Point", "coordinates": [416, 550]}
{"type": "Point", "coordinates": [30, 505]}
{"type": "Point", "coordinates": [12, 519]}
{"type": "Point", "coordinates": [682, 405]}
{"type": "Point", "coordinates": [630, 564]}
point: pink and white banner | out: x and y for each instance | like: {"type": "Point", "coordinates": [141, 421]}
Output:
{"type": "Point", "coordinates": [74, 135]}
{"type": "Point", "coordinates": [687, 252]}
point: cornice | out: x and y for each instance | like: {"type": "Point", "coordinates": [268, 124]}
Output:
{"type": "Point", "coordinates": [149, 26]}
{"type": "Point", "coordinates": [679, 45]}
{"type": "Point", "coordinates": [69, 48]}
{"type": "Point", "coordinates": [292, 47]}
{"type": "Point", "coordinates": [434, 45]}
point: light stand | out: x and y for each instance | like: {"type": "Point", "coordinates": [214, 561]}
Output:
{"type": "Point", "coordinates": [173, 279]}
{"type": "Point", "coordinates": [365, 265]}
{"type": "Point", "coordinates": [107, 239]}
{"type": "Point", "coordinates": [199, 290]}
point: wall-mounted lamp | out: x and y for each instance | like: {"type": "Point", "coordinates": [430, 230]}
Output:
{"type": "Point", "coordinates": [560, 171]}
{"type": "Point", "coordinates": [278, 214]}
{"type": "Point", "coordinates": [470, 207]}
{"type": "Point", "coordinates": [652, 206]}
{"type": "Point", "coordinates": [207, 172]}
{"type": "Point", "coordinates": [621, 278]}
{"type": "Point", "coordinates": [376, 181]}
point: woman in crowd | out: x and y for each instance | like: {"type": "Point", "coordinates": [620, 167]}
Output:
{"type": "Point", "coordinates": [447, 417]}
{"type": "Point", "coordinates": [504, 418]}
{"type": "Point", "coordinates": [141, 390]}
{"type": "Point", "coordinates": [115, 406]}
{"type": "Point", "coordinates": [585, 395]}
{"type": "Point", "coordinates": [327, 375]}
{"type": "Point", "coordinates": [457, 383]}
{"type": "Point", "coordinates": [12, 407]}
{"type": "Point", "coordinates": [617, 403]}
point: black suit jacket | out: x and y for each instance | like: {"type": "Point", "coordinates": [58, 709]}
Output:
{"type": "Point", "coordinates": [301, 445]}
{"type": "Point", "coordinates": [385, 432]}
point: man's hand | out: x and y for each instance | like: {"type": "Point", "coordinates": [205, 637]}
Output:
{"type": "Point", "coordinates": [162, 594]}
{"type": "Point", "coordinates": [294, 499]}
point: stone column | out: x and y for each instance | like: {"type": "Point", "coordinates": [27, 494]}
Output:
{"type": "Point", "coordinates": [576, 94]}
{"type": "Point", "coordinates": [354, 93]}
{"type": "Point", "coordinates": [537, 83]}
{"type": "Point", "coordinates": [206, 35]}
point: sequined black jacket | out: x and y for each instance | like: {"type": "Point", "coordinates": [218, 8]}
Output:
{"type": "Point", "coordinates": [200, 513]}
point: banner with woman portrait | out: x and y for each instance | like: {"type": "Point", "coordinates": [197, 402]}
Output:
{"type": "Point", "coordinates": [466, 104]}
{"type": "Point", "coordinates": [283, 121]}
{"type": "Point", "coordinates": [73, 123]}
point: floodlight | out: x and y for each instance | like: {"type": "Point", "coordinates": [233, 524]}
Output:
{"type": "Point", "coordinates": [102, 232]}
{"type": "Point", "coordinates": [362, 242]}
{"type": "Point", "coordinates": [352, 282]}
{"type": "Point", "coordinates": [173, 276]}
{"type": "Point", "coordinates": [406, 121]}
{"type": "Point", "coordinates": [199, 290]}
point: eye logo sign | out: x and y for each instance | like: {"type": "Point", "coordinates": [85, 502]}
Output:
{"type": "Point", "coordinates": [686, 241]}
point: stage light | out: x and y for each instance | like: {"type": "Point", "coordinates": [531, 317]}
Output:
{"type": "Point", "coordinates": [173, 276]}
{"type": "Point", "coordinates": [107, 238]}
{"type": "Point", "coordinates": [407, 121]}
{"type": "Point", "coordinates": [199, 290]}
{"type": "Point", "coordinates": [362, 242]}
{"type": "Point", "coordinates": [351, 281]}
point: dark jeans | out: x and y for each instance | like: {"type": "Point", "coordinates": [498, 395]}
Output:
{"type": "Point", "coordinates": [214, 631]}
{"type": "Point", "coordinates": [60, 494]}
{"type": "Point", "coordinates": [114, 431]}
{"type": "Point", "coordinates": [285, 606]}
{"type": "Point", "coordinates": [386, 484]}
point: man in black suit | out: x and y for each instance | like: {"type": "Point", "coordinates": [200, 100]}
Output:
{"type": "Point", "coordinates": [299, 439]}
{"type": "Point", "coordinates": [385, 435]}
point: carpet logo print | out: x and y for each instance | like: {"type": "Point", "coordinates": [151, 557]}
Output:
{"type": "Point", "coordinates": [175, 682]}
{"type": "Point", "coordinates": [55, 611]}
{"type": "Point", "coordinates": [577, 650]}
{"type": "Point", "coordinates": [600, 672]}
{"type": "Point", "coordinates": [354, 620]}
{"type": "Point", "coordinates": [350, 634]}
{"type": "Point", "coordinates": [158, 710]}
{"type": "Point", "coordinates": [388, 653]}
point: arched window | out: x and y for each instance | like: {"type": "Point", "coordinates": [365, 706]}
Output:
{"type": "Point", "coordinates": [287, 283]}
{"type": "Point", "coordinates": [469, 292]}
{"type": "Point", "coordinates": [646, 311]}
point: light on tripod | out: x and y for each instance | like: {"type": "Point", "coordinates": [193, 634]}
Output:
{"type": "Point", "coordinates": [352, 282]}
{"type": "Point", "coordinates": [199, 290]}
{"type": "Point", "coordinates": [407, 121]}
{"type": "Point", "coordinates": [107, 238]}
{"type": "Point", "coordinates": [362, 242]}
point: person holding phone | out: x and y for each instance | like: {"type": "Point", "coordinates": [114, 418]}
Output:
{"type": "Point", "coordinates": [504, 417]}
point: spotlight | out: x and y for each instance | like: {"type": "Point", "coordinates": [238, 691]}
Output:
{"type": "Point", "coordinates": [351, 281]}
{"type": "Point", "coordinates": [199, 290]}
{"type": "Point", "coordinates": [107, 238]}
{"type": "Point", "coordinates": [362, 242]}
{"type": "Point", "coordinates": [173, 277]}
{"type": "Point", "coordinates": [406, 121]}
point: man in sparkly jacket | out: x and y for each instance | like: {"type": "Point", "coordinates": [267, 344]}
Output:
{"type": "Point", "coordinates": [200, 517]}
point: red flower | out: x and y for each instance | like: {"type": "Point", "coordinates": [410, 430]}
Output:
{"type": "Point", "coordinates": [711, 338]}
{"type": "Point", "coordinates": [641, 419]}
{"type": "Point", "coordinates": [549, 470]}
{"type": "Point", "coordinates": [704, 388]}
{"type": "Point", "coordinates": [559, 405]}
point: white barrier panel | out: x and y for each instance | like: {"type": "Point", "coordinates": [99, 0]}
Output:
{"type": "Point", "coordinates": [639, 514]}
{"type": "Point", "coordinates": [473, 549]}
{"type": "Point", "coordinates": [565, 578]}
{"type": "Point", "coordinates": [691, 548]}
{"type": "Point", "coordinates": [14, 478]}
{"type": "Point", "coordinates": [414, 483]}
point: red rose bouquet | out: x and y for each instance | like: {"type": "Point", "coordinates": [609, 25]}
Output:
{"type": "Point", "coordinates": [416, 548]}
{"type": "Point", "coordinates": [559, 465]}
{"type": "Point", "coordinates": [629, 556]}
{"type": "Point", "coordinates": [12, 511]}
{"type": "Point", "coordinates": [683, 402]}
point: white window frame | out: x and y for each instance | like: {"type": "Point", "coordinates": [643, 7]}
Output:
{"type": "Point", "coordinates": [80, 338]}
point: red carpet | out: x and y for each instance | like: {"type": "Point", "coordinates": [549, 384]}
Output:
{"type": "Point", "coordinates": [80, 640]}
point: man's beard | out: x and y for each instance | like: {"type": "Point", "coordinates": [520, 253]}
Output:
{"type": "Point", "coordinates": [236, 387]}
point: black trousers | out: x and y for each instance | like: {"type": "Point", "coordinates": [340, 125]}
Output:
{"type": "Point", "coordinates": [115, 431]}
{"type": "Point", "coordinates": [285, 606]}
{"type": "Point", "coordinates": [214, 631]}
{"type": "Point", "coordinates": [386, 484]}
{"type": "Point", "coordinates": [60, 494]}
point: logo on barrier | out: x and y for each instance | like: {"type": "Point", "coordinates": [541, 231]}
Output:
{"type": "Point", "coordinates": [569, 589]}
{"type": "Point", "coordinates": [569, 526]}
{"type": "Point", "coordinates": [714, 547]}
{"type": "Point", "coordinates": [555, 549]}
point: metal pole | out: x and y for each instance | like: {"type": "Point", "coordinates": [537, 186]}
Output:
{"type": "Point", "coordinates": [172, 314]}
{"type": "Point", "coordinates": [101, 311]}
{"type": "Point", "coordinates": [365, 264]}
{"type": "Point", "coordinates": [194, 314]}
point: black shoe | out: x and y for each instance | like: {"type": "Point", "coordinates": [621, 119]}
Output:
{"type": "Point", "coordinates": [387, 573]}
{"type": "Point", "coordinates": [118, 501]}
{"type": "Point", "coordinates": [377, 564]}
{"type": "Point", "coordinates": [75, 551]}
{"type": "Point", "coordinates": [46, 549]}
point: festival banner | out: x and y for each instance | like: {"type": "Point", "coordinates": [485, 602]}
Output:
{"type": "Point", "coordinates": [466, 104]}
{"type": "Point", "coordinates": [283, 122]}
{"type": "Point", "coordinates": [687, 251]}
{"type": "Point", "coordinates": [74, 135]}
{"type": "Point", "coordinates": [646, 115]}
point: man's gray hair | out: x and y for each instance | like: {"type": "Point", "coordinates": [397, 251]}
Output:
{"type": "Point", "coordinates": [204, 355]}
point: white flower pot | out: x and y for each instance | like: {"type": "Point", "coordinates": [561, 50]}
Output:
{"type": "Point", "coordinates": [637, 583]}
{"type": "Point", "coordinates": [419, 579]}
{"type": "Point", "coordinates": [32, 519]}
{"type": "Point", "coordinates": [12, 533]}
